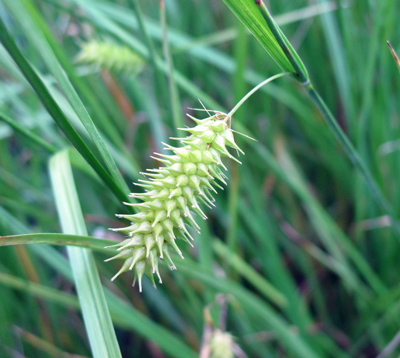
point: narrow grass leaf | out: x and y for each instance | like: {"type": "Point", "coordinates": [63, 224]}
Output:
{"type": "Point", "coordinates": [38, 290]}
{"type": "Point", "coordinates": [123, 313]}
{"type": "Point", "coordinates": [26, 133]}
{"type": "Point", "coordinates": [248, 13]}
{"type": "Point", "coordinates": [95, 312]}
{"type": "Point", "coordinates": [245, 270]}
{"type": "Point", "coordinates": [58, 239]}
{"type": "Point", "coordinates": [254, 306]}
{"type": "Point", "coordinates": [55, 111]}
{"type": "Point", "coordinates": [22, 9]}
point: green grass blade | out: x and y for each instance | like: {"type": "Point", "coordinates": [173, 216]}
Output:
{"type": "Point", "coordinates": [336, 51]}
{"type": "Point", "coordinates": [242, 8]}
{"type": "Point", "coordinates": [211, 56]}
{"type": "Point", "coordinates": [123, 313]}
{"type": "Point", "coordinates": [174, 93]}
{"type": "Point", "coordinates": [58, 239]}
{"type": "Point", "coordinates": [152, 106]}
{"type": "Point", "coordinates": [248, 13]}
{"type": "Point", "coordinates": [95, 312]}
{"type": "Point", "coordinates": [107, 123]}
{"type": "Point", "coordinates": [55, 111]}
{"type": "Point", "coordinates": [99, 245]}
{"type": "Point", "coordinates": [253, 305]}
{"type": "Point", "coordinates": [26, 133]}
{"type": "Point", "coordinates": [22, 9]}
{"type": "Point", "coordinates": [244, 269]}
{"type": "Point", "coordinates": [35, 289]}
{"type": "Point", "coordinates": [299, 68]}
{"type": "Point", "coordinates": [356, 159]}
{"type": "Point", "coordinates": [248, 300]}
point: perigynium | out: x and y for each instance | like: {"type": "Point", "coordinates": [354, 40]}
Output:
{"type": "Point", "coordinates": [173, 196]}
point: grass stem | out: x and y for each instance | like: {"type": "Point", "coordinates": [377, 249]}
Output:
{"type": "Point", "coordinates": [353, 156]}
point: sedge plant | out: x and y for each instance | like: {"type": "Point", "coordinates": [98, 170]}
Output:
{"type": "Point", "coordinates": [300, 282]}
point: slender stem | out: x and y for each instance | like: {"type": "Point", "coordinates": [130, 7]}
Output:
{"type": "Point", "coordinates": [354, 156]}
{"type": "Point", "coordinates": [255, 89]}
{"type": "Point", "coordinates": [173, 91]}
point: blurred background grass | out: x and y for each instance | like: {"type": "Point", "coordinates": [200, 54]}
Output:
{"type": "Point", "coordinates": [306, 263]}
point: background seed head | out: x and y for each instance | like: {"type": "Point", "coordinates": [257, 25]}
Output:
{"type": "Point", "coordinates": [222, 345]}
{"type": "Point", "coordinates": [173, 197]}
{"type": "Point", "coordinates": [110, 56]}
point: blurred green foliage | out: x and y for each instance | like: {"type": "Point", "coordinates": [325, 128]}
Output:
{"type": "Point", "coordinates": [306, 263]}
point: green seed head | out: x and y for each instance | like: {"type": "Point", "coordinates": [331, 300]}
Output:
{"type": "Point", "coordinates": [173, 197]}
{"type": "Point", "coordinates": [221, 345]}
{"type": "Point", "coordinates": [106, 55]}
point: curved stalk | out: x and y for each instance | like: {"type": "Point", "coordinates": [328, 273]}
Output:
{"type": "Point", "coordinates": [255, 89]}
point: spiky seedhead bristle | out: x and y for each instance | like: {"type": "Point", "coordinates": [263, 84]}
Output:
{"type": "Point", "coordinates": [172, 194]}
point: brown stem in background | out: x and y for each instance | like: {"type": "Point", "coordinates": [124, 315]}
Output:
{"type": "Point", "coordinates": [118, 94]}
{"type": "Point", "coordinates": [394, 54]}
